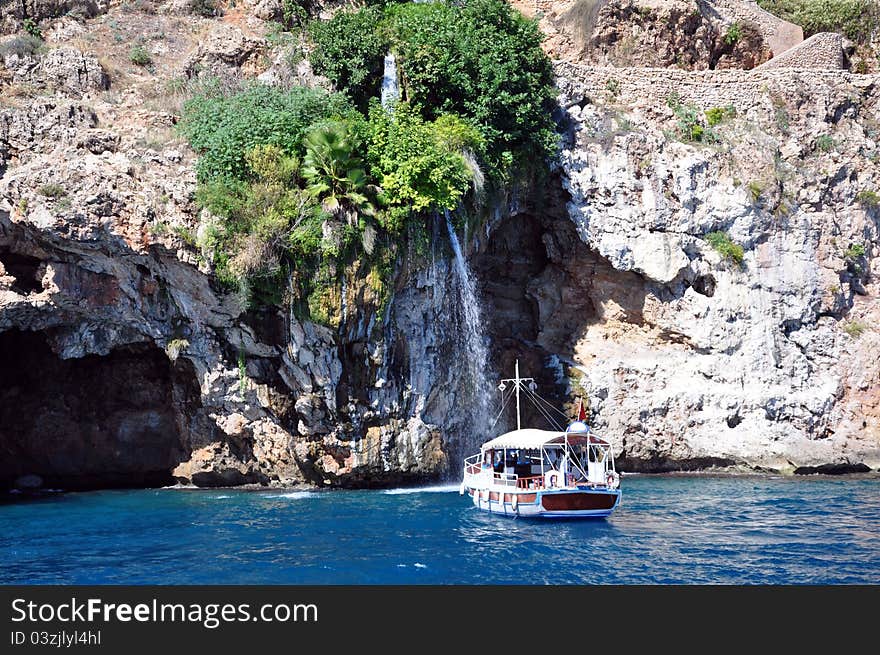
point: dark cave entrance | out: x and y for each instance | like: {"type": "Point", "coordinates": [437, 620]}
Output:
{"type": "Point", "coordinates": [91, 422]}
{"type": "Point", "coordinates": [535, 276]}
{"type": "Point", "coordinates": [24, 269]}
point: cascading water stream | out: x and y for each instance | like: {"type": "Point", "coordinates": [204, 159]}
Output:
{"type": "Point", "coordinates": [390, 85]}
{"type": "Point", "coordinates": [472, 358]}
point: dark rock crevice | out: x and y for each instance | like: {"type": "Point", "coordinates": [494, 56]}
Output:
{"type": "Point", "coordinates": [541, 286]}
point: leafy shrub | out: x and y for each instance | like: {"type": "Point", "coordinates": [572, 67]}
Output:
{"type": "Point", "coordinates": [725, 246]}
{"type": "Point", "coordinates": [349, 50]}
{"type": "Point", "coordinates": [855, 329]}
{"type": "Point", "coordinates": [203, 8]}
{"type": "Point", "coordinates": [32, 28]}
{"type": "Point", "coordinates": [689, 126]}
{"type": "Point", "coordinates": [716, 115]}
{"type": "Point", "coordinates": [854, 251]}
{"type": "Point", "coordinates": [733, 34]}
{"type": "Point", "coordinates": [869, 198]}
{"type": "Point", "coordinates": [479, 59]}
{"type": "Point", "coordinates": [295, 13]}
{"type": "Point", "coordinates": [224, 128]}
{"type": "Point", "coordinates": [139, 56]}
{"type": "Point", "coordinates": [417, 163]}
{"type": "Point", "coordinates": [52, 190]}
{"type": "Point", "coordinates": [483, 61]}
{"type": "Point", "coordinates": [756, 190]}
{"type": "Point", "coordinates": [22, 46]}
{"type": "Point", "coordinates": [613, 86]}
{"type": "Point", "coordinates": [857, 19]}
{"type": "Point", "coordinates": [824, 142]}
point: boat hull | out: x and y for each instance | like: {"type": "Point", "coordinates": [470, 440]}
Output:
{"type": "Point", "coordinates": [567, 503]}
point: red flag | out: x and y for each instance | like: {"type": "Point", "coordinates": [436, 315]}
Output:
{"type": "Point", "coordinates": [582, 413]}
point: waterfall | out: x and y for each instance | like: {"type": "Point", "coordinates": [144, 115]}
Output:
{"type": "Point", "coordinates": [471, 363]}
{"type": "Point", "coordinates": [390, 85]}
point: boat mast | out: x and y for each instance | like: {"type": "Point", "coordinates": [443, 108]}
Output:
{"type": "Point", "coordinates": [517, 382]}
{"type": "Point", "coordinates": [517, 395]}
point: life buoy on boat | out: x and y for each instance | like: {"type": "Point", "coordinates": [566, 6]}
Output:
{"type": "Point", "coordinates": [612, 479]}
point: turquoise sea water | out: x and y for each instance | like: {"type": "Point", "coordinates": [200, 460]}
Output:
{"type": "Point", "coordinates": [688, 529]}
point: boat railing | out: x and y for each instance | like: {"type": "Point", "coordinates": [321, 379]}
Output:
{"type": "Point", "coordinates": [505, 479]}
{"type": "Point", "coordinates": [530, 482]}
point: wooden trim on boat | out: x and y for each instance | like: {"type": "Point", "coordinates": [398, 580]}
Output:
{"type": "Point", "coordinates": [577, 501]}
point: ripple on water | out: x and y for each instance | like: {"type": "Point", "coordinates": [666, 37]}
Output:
{"type": "Point", "coordinates": [668, 530]}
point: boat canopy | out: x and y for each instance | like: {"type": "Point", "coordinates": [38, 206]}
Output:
{"type": "Point", "coordinates": [533, 439]}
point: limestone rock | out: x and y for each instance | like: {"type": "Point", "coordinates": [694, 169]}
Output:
{"type": "Point", "coordinates": [64, 70]}
{"type": "Point", "coordinates": [225, 49]}
{"type": "Point", "coordinates": [719, 361]}
{"type": "Point", "coordinates": [12, 14]}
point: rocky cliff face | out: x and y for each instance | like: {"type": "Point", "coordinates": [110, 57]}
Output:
{"type": "Point", "coordinates": [124, 364]}
{"type": "Point", "coordinates": [761, 361]}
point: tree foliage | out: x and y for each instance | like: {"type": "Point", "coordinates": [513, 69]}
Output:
{"type": "Point", "coordinates": [223, 128]}
{"type": "Point", "coordinates": [418, 164]}
{"type": "Point", "coordinates": [302, 182]}
{"type": "Point", "coordinates": [350, 50]}
{"type": "Point", "coordinates": [480, 59]}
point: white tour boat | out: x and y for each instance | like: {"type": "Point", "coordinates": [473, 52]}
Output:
{"type": "Point", "coordinates": [565, 473]}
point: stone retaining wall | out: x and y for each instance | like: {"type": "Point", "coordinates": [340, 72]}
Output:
{"type": "Point", "coordinates": [823, 51]}
{"type": "Point", "coordinates": [746, 90]}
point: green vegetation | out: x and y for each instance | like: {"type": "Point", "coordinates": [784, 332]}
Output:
{"type": "Point", "coordinates": [350, 50]}
{"type": "Point", "coordinates": [716, 115]}
{"type": "Point", "coordinates": [225, 128]}
{"type": "Point", "coordinates": [52, 190]}
{"type": "Point", "coordinates": [733, 34]}
{"type": "Point", "coordinates": [295, 13]}
{"type": "Point", "coordinates": [480, 60]}
{"type": "Point", "coordinates": [857, 19]}
{"type": "Point", "coordinates": [139, 56]}
{"type": "Point", "coordinates": [854, 251]}
{"type": "Point", "coordinates": [855, 329]}
{"type": "Point", "coordinates": [756, 190]}
{"type": "Point", "coordinates": [175, 348]}
{"type": "Point", "coordinates": [32, 28]}
{"type": "Point", "coordinates": [307, 187]}
{"type": "Point", "coordinates": [22, 46]}
{"type": "Point", "coordinates": [483, 62]}
{"type": "Point", "coordinates": [725, 246]}
{"type": "Point", "coordinates": [690, 126]}
{"type": "Point", "coordinates": [333, 172]}
{"type": "Point", "coordinates": [824, 142]}
{"type": "Point", "coordinates": [869, 199]}
{"type": "Point", "coordinates": [419, 164]}
{"type": "Point", "coordinates": [242, 372]}
{"type": "Point", "coordinates": [613, 86]}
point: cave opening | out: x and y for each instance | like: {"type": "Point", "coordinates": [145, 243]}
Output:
{"type": "Point", "coordinates": [24, 269]}
{"type": "Point", "coordinates": [90, 422]}
{"type": "Point", "coordinates": [536, 276]}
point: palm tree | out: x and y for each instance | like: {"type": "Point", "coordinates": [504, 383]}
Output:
{"type": "Point", "coordinates": [334, 172]}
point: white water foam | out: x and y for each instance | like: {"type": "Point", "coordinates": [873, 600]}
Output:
{"type": "Point", "coordinates": [439, 489]}
{"type": "Point", "coordinates": [292, 495]}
